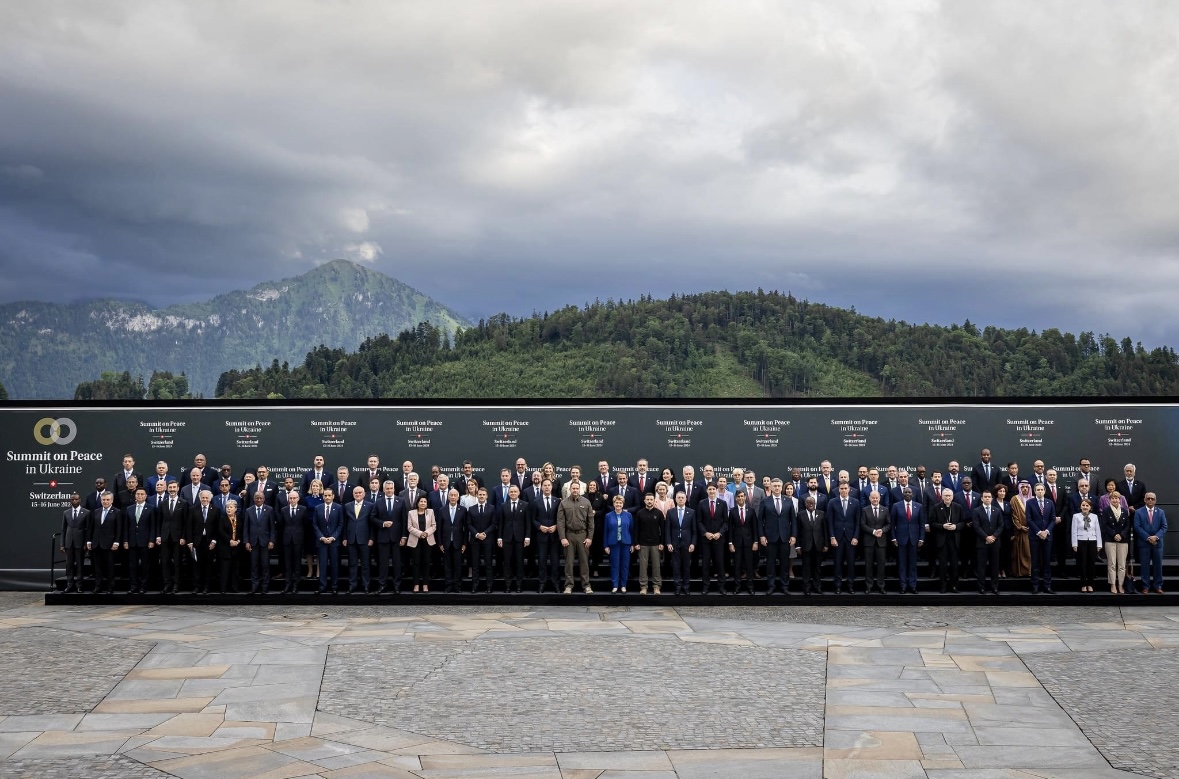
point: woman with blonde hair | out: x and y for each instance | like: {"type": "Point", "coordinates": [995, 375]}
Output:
{"type": "Point", "coordinates": [663, 498]}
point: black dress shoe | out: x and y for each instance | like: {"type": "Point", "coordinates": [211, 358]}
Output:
{"type": "Point", "coordinates": [320, 592]}
{"type": "Point", "coordinates": [982, 591]}
{"type": "Point", "coordinates": [995, 591]}
{"type": "Point", "coordinates": [1049, 591]}
{"type": "Point", "coordinates": [335, 591]}
{"type": "Point", "coordinates": [954, 590]}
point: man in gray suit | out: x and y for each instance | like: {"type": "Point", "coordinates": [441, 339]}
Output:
{"type": "Point", "coordinates": [75, 523]}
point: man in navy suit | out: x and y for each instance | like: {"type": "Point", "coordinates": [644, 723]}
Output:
{"type": "Point", "coordinates": [191, 493]}
{"type": "Point", "coordinates": [318, 471]}
{"type": "Point", "coordinates": [328, 522]}
{"type": "Point", "coordinates": [874, 484]}
{"type": "Point", "coordinates": [290, 529]}
{"type": "Point", "coordinates": [630, 496]}
{"type": "Point", "coordinates": [357, 538]}
{"type": "Point", "coordinates": [812, 543]}
{"type": "Point", "coordinates": [712, 518]}
{"type": "Point", "coordinates": [259, 538]}
{"type": "Point", "coordinates": [908, 535]}
{"type": "Point", "coordinates": [389, 518]}
{"type": "Point", "coordinates": [128, 470]}
{"type": "Point", "coordinates": [968, 499]}
{"type": "Point", "coordinates": [1041, 518]}
{"type": "Point", "coordinates": [481, 524]}
{"type": "Point", "coordinates": [743, 538]}
{"type": "Point", "coordinates": [604, 479]}
{"type": "Point", "coordinates": [777, 531]}
{"type": "Point", "coordinates": [952, 478]}
{"type": "Point", "coordinates": [548, 543]}
{"type": "Point", "coordinates": [843, 529]}
{"type": "Point", "coordinates": [680, 540]}
{"type": "Point", "coordinates": [1150, 528]}
{"type": "Point", "coordinates": [694, 491]}
{"type": "Point", "coordinates": [642, 479]}
{"type": "Point", "coordinates": [106, 533]}
{"type": "Point", "coordinates": [988, 532]}
{"type": "Point", "coordinates": [499, 495]}
{"type": "Point", "coordinates": [985, 474]}
{"type": "Point", "coordinates": [452, 539]}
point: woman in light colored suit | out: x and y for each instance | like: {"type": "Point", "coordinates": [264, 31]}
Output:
{"type": "Point", "coordinates": [1116, 523]}
{"type": "Point", "coordinates": [421, 540]}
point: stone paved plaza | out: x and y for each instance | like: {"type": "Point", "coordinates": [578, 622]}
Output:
{"type": "Point", "coordinates": [628, 692]}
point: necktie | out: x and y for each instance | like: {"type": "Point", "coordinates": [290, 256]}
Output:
{"type": "Point", "coordinates": [389, 504]}
{"type": "Point", "coordinates": [356, 510]}
{"type": "Point", "coordinates": [546, 504]}
{"type": "Point", "coordinates": [778, 505]}
{"type": "Point", "coordinates": [1150, 515]}
{"type": "Point", "coordinates": [987, 470]}
{"type": "Point", "coordinates": [642, 483]}
{"type": "Point", "coordinates": [845, 505]}
{"type": "Point", "coordinates": [1042, 509]}
{"type": "Point", "coordinates": [513, 506]}
{"type": "Point", "coordinates": [103, 520]}
{"type": "Point", "coordinates": [908, 511]}
{"type": "Point", "coordinates": [742, 515]}
{"type": "Point", "coordinates": [205, 514]}
{"type": "Point", "coordinates": [876, 512]}
{"type": "Point", "coordinates": [712, 507]}
{"type": "Point", "coordinates": [968, 500]}
{"type": "Point", "coordinates": [988, 513]}
{"type": "Point", "coordinates": [76, 511]}
{"type": "Point", "coordinates": [172, 506]}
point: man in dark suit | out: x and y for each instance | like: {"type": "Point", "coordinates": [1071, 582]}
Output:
{"type": "Point", "coordinates": [106, 532]}
{"type": "Point", "coordinates": [93, 500]}
{"type": "Point", "coordinates": [389, 517]}
{"type": "Point", "coordinates": [631, 500]}
{"type": "Point", "coordinates": [874, 528]}
{"type": "Point", "coordinates": [945, 525]}
{"type": "Point", "coordinates": [190, 493]}
{"type": "Point", "coordinates": [481, 521]}
{"type": "Point", "coordinates": [1010, 479]}
{"type": "Point", "coordinates": [514, 536]}
{"type": "Point", "coordinates": [372, 470]}
{"type": "Point", "coordinates": [1039, 475]}
{"type": "Point", "coordinates": [226, 472]}
{"type": "Point", "coordinates": [813, 491]}
{"type": "Point", "coordinates": [125, 498]}
{"type": "Point", "coordinates": [985, 474]}
{"type": "Point", "coordinates": [259, 538]}
{"type": "Point", "coordinates": [642, 479]}
{"type": "Point", "coordinates": [521, 477]}
{"type": "Point", "coordinates": [712, 519]}
{"type": "Point", "coordinates": [209, 474]}
{"type": "Point", "coordinates": [128, 470]}
{"type": "Point", "coordinates": [1058, 497]}
{"type": "Point", "coordinates": [357, 537]}
{"type": "Point", "coordinates": [743, 537]}
{"type": "Point", "coordinates": [264, 484]}
{"type": "Point", "coordinates": [843, 530]}
{"type": "Point", "coordinates": [500, 495]}
{"type": "Point", "coordinates": [1132, 488]}
{"type": "Point", "coordinates": [172, 523]}
{"type": "Point", "coordinates": [897, 494]}
{"type": "Point", "coordinates": [161, 474]}
{"type": "Point", "coordinates": [411, 493]}
{"type": "Point", "coordinates": [548, 543]}
{"type": "Point", "coordinates": [204, 521]}
{"type": "Point", "coordinates": [532, 491]}
{"type": "Point", "coordinates": [908, 535]}
{"type": "Point", "coordinates": [140, 537]}
{"type": "Point", "coordinates": [693, 490]}
{"type": "Point", "coordinates": [1041, 519]}
{"type": "Point", "coordinates": [828, 481]}
{"type": "Point", "coordinates": [452, 539]}
{"type": "Point", "coordinates": [439, 497]}
{"type": "Point", "coordinates": [680, 540]}
{"type": "Point", "coordinates": [223, 492]}
{"type": "Point", "coordinates": [988, 532]}
{"type": "Point", "coordinates": [342, 486]}
{"type": "Point", "coordinates": [812, 545]}
{"type": "Point", "coordinates": [75, 532]}
{"type": "Point", "coordinates": [968, 499]}
{"type": "Point", "coordinates": [280, 496]}
{"type": "Point", "coordinates": [604, 479]}
{"type": "Point", "coordinates": [318, 471]}
{"type": "Point", "coordinates": [777, 529]}
{"type": "Point", "coordinates": [875, 485]}
{"type": "Point", "coordinates": [328, 523]}
{"type": "Point", "coordinates": [289, 523]}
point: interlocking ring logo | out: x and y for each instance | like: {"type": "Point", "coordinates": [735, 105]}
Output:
{"type": "Point", "coordinates": [56, 426]}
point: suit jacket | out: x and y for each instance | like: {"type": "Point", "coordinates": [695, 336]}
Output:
{"type": "Point", "coordinates": [365, 475]}
{"type": "Point", "coordinates": [712, 521]}
{"type": "Point", "coordinates": [452, 532]}
{"type": "Point", "coordinates": [743, 533]}
{"type": "Point", "coordinates": [260, 525]}
{"type": "Point", "coordinates": [482, 519]}
{"type": "Point", "coordinates": [151, 481]}
{"type": "Point", "coordinates": [907, 531]}
{"type": "Point", "coordinates": [983, 526]}
{"type": "Point", "coordinates": [124, 498]}
{"type": "Point", "coordinates": [202, 530]}
{"type": "Point", "coordinates": [103, 533]}
{"type": "Point", "coordinates": [191, 494]}
{"type": "Point", "coordinates": [120, 481]}
{"type": "Point", "coordinates": [1060, 500]}
{"type": "Point", "coordinates": [829, 485]}
{"type": "Point", "coordinates": [460, 482]}
{"type": "Point", "coordinates": [753, 496]}
{"type": "Point", "coordinates": [173, 525]}
{"type": "Point", "coordinates": [413, 522]}
{"type": "Point", "coordinates": [610, 528]}
{"type": "Point", "coordinates": [649, 481]}
{"type": "Point", "coordinates": [411, 497]}
{"type": "Point", "coordinates": [227, 533]}
{"type": "Point", "coordinates": [952, 481]}
{"type": "Point", "coordinates": [514, 525]}
{"type": "Point", "coordinates": [309, 476]}
{"type": "Point", "coordinates": [521, 480]}
{"type": "Point", "coordinates": [1012, 484]}
{"type": "Point", "coordinates": [290, 528]}
{"type": "Point", "coordinates": [540, 516]}
{"type": "Point", "coordinates": [92, 500]}
{"type": "Point", "coordinates": [140, 534]}
{"type": "Point", "coordinates": [358, 530]}
{"type": "Point", "coordinates": [967, 511]}
{"type": "Point", "coordinates": [1111, 526]}
{"type": "Point", "coordinates": [978, 475]}
{"type": "Point", "coordinates": [885, 496]}
{"type": "Point", "coordinates": [812, 533]}
{"type": "Point", "coordinates": [630, 497]}
{"type": "Point", "coordinates": [381, 514]}
{"type": "Point", "coordinates": [1074, 502]}
{"type": "Point", "coordinates": [820, 501]}
{"type": "Point", "coordinates": [328, 522]}
{"type": "Point", "coordinates": [775, 526]}
{"type": "Point", "coordinates": [1135, 496]}
{"type": "Point", "coordinates": [897, 494]}
{"type": "Point", "coordinates": [220, 500]}
{"type": "Point", "coordinates": [693, 490]}
{"type": "Point", "coordinates": [677, 533]}
{"type": "Point", "coordinates": [842, 526]}
{"type": "Point", "coordinates": [269, 490]}
{"type": "Point", "coordinates": [931, 497]}
{"type": "Point", "coordinates": [1145, 527]}
{"type": "Point", "coordinates": [75, 532]}
{"type": "Point", "coordinates": [870, 522]}
{"type": "Point", "coordinates": [342, 490]}
{"type": "Point", "coordinates": [943, 514]}
{"type": "Point", "coordinates": [437, 499]}
{"type": "Point", "coordinates": [495, 495]}
{"type": "Point", "coordinates": [1040, 520]}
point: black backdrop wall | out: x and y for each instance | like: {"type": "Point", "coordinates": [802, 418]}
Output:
{"type": "Point", "coordinates": [52, 451]}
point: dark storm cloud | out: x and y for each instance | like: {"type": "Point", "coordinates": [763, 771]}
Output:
{"type": "Point", "coordinates": [922, 160]}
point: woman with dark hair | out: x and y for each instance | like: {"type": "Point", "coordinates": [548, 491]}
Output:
{"type": "Point", "coordinates": [600, 502]}
{"type": "Point", "coordinates": [1086, 538]}
{"type": "Point", "coordinates": [421, 540]}
{"type": "Point", "coordinates": [667, 476]}
{"type": "Point", "coordinates": [999, 492]}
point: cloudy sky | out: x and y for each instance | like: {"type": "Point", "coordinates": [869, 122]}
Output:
{"type": "Point", "coordinates": [1014, 163]}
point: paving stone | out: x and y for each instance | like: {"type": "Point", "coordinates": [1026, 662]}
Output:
{"type": "Point", "coordinates": [545, 705]}
{"type": "Point", "coordinates": [96, 664]}
{"type": "Point", "coordinates": [106, 767]}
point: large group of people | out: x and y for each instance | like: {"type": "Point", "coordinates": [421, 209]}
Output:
{"type": "Point", "coordinates": [211, 530]}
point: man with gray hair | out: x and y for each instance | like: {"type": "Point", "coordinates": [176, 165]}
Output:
{"type": "Point", "coordinates": [106, 530]}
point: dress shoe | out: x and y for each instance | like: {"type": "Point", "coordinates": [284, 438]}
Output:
{"type": "Point", "coordinates": [1049, 591]}
{"type": "Point", "coordinates": [335, 591]}
{"type": "Point", "coordinates": [1158, 591]}
{"type": "Point", "coordinates": [954, 590]}
{"type": "Point", "coordinates": [995, 591]}
{"type": "Point", "coordinates": [982, 591]}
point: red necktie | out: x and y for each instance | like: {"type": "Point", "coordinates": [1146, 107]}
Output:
{"type": "Point", "coordinates": [908, 511]}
